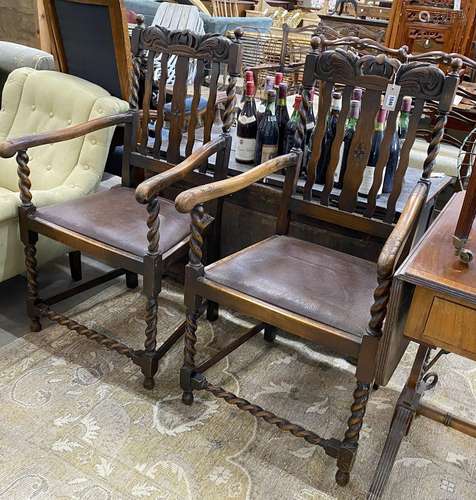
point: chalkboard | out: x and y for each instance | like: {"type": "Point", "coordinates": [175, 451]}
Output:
{"type": "Point", "coordinates": [88, 43]}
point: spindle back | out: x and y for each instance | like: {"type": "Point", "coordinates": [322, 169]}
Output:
{"type": "Point", "coordinates": [330, 67]}
{"type": "Point", "coordinates": [203, 57]}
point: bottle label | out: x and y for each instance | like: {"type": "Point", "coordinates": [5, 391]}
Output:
{"type": "Point", "coordinates": [268, 151]}
{"type": "Point", "coordinates": [245, 149]}
{"type": "Point", "coordinates": [368, 180]}
{"type": "Point", "coordinates": [245, 120]}
{"type": "Point", "coordinates": [310, 125]}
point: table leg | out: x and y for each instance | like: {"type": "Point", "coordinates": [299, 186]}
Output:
{"type": "Point", "coordinates": [405, 411]}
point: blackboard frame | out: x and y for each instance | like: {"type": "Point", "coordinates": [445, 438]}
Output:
{"type": "Point", "coordinates": [120, 72]}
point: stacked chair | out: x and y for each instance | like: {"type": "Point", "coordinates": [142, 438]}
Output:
{"type": "Point", "coordinates": [137, 231]}
{"type": "Point", "coordinates": [332, 298]}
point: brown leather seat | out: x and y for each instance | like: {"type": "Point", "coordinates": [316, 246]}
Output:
{"type": "Point", "coordinates": [304, 278]}
{"type": "Point", "coordinates": [115, 218]}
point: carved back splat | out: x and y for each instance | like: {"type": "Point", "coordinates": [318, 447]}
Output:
{"type": "Point", "coordinates": [330, 67]}
{"type": "Point", "coordinates": [199, 59]}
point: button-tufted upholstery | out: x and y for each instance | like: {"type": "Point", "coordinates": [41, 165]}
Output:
{"type": "Point", "coordinates": [40, 101]}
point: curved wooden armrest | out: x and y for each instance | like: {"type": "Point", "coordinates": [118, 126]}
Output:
{"type": "Point", "coordinates": [188, 199]}
{"type": "Point", "coordinates": [152, 187]}
{"type": "Point", "coordinates": [404, 228]}
{"type": "Point", "coordinates": [10, 147]}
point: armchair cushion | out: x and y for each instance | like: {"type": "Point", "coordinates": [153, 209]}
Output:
{"type": "Point", "coordinates": [117, 219]}
{"type": "Point", "coordinates": [303, 278]}
{"type": "Point", "coordinates": [40, 101]}
{"type": "Point", "coordinates": [217, 24]}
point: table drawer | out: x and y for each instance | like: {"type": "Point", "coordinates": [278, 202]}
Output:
{"type": "Point", "coordinates": [443, 322]}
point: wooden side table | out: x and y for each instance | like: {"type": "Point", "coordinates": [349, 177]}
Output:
{"type": "Point", "coordinates": [442, 315]}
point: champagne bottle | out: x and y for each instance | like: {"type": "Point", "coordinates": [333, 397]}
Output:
{"type": "Point", "coordinates": [267, 137]}
{"type": "Point", "coordinates": [348, 135]}
{"type": "Point", "coordinates": [292, 125]}
{"type": "Point", "coordinates": [328, 139]}
{"type": "Point", "coordinates": [282, 116]}
{"type": "Point", "coordinates": [247, 129]}
{"type": "Point", "coordinates": [368, 177]}
{"type": "Point", "coordinates": [396, 144]}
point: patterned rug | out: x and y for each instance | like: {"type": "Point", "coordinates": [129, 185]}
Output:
{"type": "Point", "coordinates": [76, 422]}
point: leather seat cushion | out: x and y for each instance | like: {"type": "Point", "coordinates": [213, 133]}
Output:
{"type": "Point", "coordinates": [115, 217]}
{"type": "Point", "coordinates": [304, 278]}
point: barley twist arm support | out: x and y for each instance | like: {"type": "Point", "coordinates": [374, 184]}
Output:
{"type": "Point", "coordinates": [434, 146]}
{"type": "Point", "coordinates": [24, 182]}
{"type": "Point", "coordinates": [196, 239]}
{"type": "Point", "coordinates": [153, 225]}
{"type": "Point", "coordinates": [229, 113]}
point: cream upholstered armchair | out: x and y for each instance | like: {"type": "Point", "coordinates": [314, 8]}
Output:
{"type": "Point", "coordinates": [35, 102]}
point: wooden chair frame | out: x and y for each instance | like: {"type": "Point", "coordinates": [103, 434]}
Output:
{"type": "Point", "coordinates": [328, 65]}
{"type": "Point", "coordinates": [119, 33]}
{"type": "Point", "coordinates": [138, 155]}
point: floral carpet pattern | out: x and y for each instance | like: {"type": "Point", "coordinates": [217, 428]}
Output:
{"type": "Point", "coordinates": [76, 422]}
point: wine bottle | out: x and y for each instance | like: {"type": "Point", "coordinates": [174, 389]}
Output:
{"type": "Point", "coordinates": [261, 108]}
{"type": "Point", "coordinates": [357, 94]}
{"type": "Point", "coordinates": [309, 132]}
{"type": "Point", "coordinates": [348, 135]}
{"type": "Point", "coordinates": [249, 78]}
{"type": "Point", "coordinates": [404, 117]}
{"type": "Point", "coordinates": [278, 79]}
{"type": "Point", "coordinates": [395, 146]}
{"type": "Point", "coordinates": [247, 129]}
{"type": "Point", "coordinates": [292, 125]}
{"type": "Point", "coordinates": [282, 116]}
{"type": "Point", "coordinates": [267, 137]}
{"type": "Point", "coordinates": [368, 177]}
{"type": "Point", "coordinates": [328, 139]}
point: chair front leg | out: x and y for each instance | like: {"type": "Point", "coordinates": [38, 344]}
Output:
{"type": "Point", "coordinates": [152, 284]}
{"type": "Point", "coordinates": [348, 448]}
{"type": "Point", "coordinates": [29, 239]}
{"type": "Point", "coordinates": [32, 281]}
{"type": "Point", "coordinates": [189, 356]}
{"type": "Point", "coordinates": [194, 270]}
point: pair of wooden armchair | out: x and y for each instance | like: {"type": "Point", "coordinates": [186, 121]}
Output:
{"type": "Point", "coordinates": [331, 297]}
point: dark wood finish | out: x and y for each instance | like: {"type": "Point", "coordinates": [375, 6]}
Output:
{"type": "Point", "coordinates": [442, 314]}
{"type": "Point", "coordinates": [428, 25]}
{"type": "Point", "coordinates": [235, 282]}
{"type": "Point", "coordinates": [151, 259]}
{"type": "Point", "coordinates": [117, 38]}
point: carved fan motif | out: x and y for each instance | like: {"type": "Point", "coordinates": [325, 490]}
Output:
{"type": "Point", "coordinates": [421, 79]}
{"type": "Point", "coordinates": [186, 43]}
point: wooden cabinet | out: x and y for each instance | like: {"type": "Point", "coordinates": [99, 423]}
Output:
{"type": "Point", "coordinates": [426, 25]}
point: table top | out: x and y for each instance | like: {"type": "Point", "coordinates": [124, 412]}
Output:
{"type": "Point", "coordinates": [433, 263]}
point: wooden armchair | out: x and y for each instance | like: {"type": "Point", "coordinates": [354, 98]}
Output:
{"type": "Point", "coordinates": [332, 298]}
{"type": "Point", "coordinates": [138, 231]}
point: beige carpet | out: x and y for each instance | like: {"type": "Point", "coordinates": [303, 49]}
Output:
{"type": "Point", "coordinates": [76, 422]}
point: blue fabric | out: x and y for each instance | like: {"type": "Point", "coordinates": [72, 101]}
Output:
{"type": "Point", "coordinates": [221, 25]}
{"type": "Point", "coordinates": [202, 104]}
